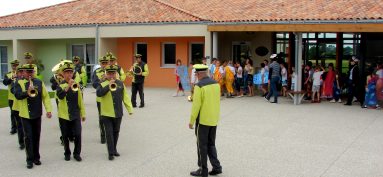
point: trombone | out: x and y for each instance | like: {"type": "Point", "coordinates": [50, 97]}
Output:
{"type": "Point", "coordinates": [32, 92]}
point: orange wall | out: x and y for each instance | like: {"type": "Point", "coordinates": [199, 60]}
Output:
{"type": "Point", "coordinates": [158, 77]}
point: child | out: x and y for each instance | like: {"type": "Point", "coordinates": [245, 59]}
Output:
{"type": "Point", "coordinates": [293, 78]}
{"type": "Point", "coordinates": [370, 97]}
{"type": "Point", "coordinates": [229, 79]}
{"type": "Point", "coordinates": [284, 79]}
{"type": "Point", "coordinates": [177, 72]}
{"type": "Point", "coordinates": [239, 79]}
{"type": "Point", "coordinates": [316, 83]}
{"type": "Point", "coordinates": [218, 75]}
{"type": "Point", "coordinates": [264, 74]}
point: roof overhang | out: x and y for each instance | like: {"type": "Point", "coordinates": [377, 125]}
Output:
{"type": "Point", "coordinates": [320, 26]}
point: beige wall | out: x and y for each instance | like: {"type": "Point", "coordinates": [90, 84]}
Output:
{"type": "Point", "coordinates": [107, 45]}
{"type": "Point", "coordinates": [25, 46]}
{"type": "Point", "coordinates": [256, 39]}
{"type": "Point", "coordinates": [48, 33]}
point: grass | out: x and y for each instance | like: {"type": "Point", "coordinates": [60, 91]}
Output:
{"type": "Point", "coordinates": [4, 97]}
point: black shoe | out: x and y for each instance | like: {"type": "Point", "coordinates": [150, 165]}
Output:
{"type": "Point", "coordinates": [29, 165]}
{"type": "Point", "coordinates": [134, 106]}
{"type": "Point", "coordinates": [117, 154]}
{"type": "Point", "coordinates": [111, 157]}
{"type": "Point", "coordinates": [274, 102]}
{"type": "Point", "coordinates": [198, 173]}
{"type": "Point", "coordinates": [215, 172]}
{"type": "Point", "coordinates": [13, 131]}
{"type": "Point", "coordinates": [78, 158]}
{"type": "Point", "coordinates": [37, 162]}
{"type": "Point", "coordinates": [141, 106]}
{"type": "Point", "coordinates": [347, 104]}
{"type": "Point", "coordinates": [22, 147]}
{"type": "Point", "coordinates": [103, 141]}
{"type": "Point", "coordinates": [67, 158]}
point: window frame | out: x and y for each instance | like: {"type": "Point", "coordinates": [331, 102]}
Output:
{"type": "Point", "coordinates": [7, 61]}
{"type": "Point", "coordinates": [190, 51]}
{"type": "Point", "coordinates": [91, 65]}
{"type": "Point", "coordinates": [163, 65]}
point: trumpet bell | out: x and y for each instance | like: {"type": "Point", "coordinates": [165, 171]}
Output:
{"type": "Point", "coordinates": [33, 93]}
{"type": "Point", "coordinates": [113, 87]}
{"type": "Point", "coordinates": [190, 98]}
{"type": "Point", "coordinates": [75, 87]}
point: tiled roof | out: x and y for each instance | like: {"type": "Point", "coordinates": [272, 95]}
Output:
{"type": "Point", "coordinates": [84, 12]}
{"type": "Point", "coordinates": [282, 10]}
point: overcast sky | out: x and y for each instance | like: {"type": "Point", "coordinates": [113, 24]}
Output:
{"type": "Point", "coordinates": [8, 7]}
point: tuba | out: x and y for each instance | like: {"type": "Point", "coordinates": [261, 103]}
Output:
{"type": "Point", "coordinates": [32, 92]}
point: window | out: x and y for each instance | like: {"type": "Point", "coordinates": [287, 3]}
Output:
{"type": "Point", "coordinates": [240, 51]}
{"type": "Point", "coordinates": [282, 44]}
{"type": "Point", "coordinates": [3, 61]}
{"type": "Point", "coordinates": [351, 47]}
{"type": "Point", "coordinates": [87, 54]}
{"type": "Point", "coordinates": [142, 48]}
{"type": "Point", "coordinates": [196, 52]}
{"type": "Point", "coordinates": [168, 54]}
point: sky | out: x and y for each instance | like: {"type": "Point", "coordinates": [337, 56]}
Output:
{"type": "Point", "coordinates": [8, 7]}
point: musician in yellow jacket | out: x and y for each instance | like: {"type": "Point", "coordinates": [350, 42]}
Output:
{"type": "Point", "coordinates": [98, 77]}
{"type": "Point", "coordinates": [16, 108]}
{"type": "Point", "coordinates": [113, 95]}
{"type": "Point", "coordinates": [9, 78]}
{"type": "Point", "coordinates": [71, 111]}
{"type": "Point", "coordinates": [205, 115]}
{"type": "Point", "coordinates": [80, 69]}
{"type": "Point", "coordinates": [113, 61]}
{"type": "Point", "coordinates": [31, 111]}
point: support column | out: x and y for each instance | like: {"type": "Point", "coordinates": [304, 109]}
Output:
{"type": "Point", "coordinates": [208, 42]}
{"type": "Point", "coordinates": [215, 44]}
{"type": "Point", "coordinates": [298, 66]}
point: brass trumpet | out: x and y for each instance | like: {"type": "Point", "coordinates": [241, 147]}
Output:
{"type": "Point", "coordinates": [113, 87]}
{"type": "Point", "coordinates": [74, 87]}
{"type": "Point", "coordinates": [33, 91]}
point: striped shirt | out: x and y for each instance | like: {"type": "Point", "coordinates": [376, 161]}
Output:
{"type": "Point", "coordinates": [276, 68]}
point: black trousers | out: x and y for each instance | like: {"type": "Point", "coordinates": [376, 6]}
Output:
{"type": "Point", "coordinates": [140, 88]}
{"type": "Point", "coordinates": [102, 130]}
{"type": "Point", "coordinates": [206, 147]}
{"type": "Point", "coordinates": [353, 91]}
{"type": "Point", "coordinates": [13, 118]}
{"type": "Point", "coordinates": [112, 131]}
{"type": "Point", "coordinates": [32, 130]}
{"type": "Point", "coordinates": [68, 129]}
{"type": "Point", "coordinates": [20, 132]}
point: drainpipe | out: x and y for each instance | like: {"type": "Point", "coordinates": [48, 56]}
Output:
{"type": "Point", "coordinates": [97, 42]}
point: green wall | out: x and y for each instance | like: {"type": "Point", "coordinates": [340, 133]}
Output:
{"type": "Point", "coordinates": [51, 51]}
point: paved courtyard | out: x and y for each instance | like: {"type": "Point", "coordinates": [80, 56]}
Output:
{"type": "Point", "coordinates": [254, 139]}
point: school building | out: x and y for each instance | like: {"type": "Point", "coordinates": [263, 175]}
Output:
{"type": "Point", "coordinates": [166, 30]}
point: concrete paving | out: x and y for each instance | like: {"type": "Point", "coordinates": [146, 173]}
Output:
{"type": "Point", "coordinates": [254, 139]}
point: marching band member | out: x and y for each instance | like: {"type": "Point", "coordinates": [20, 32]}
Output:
{"type": "Point", "coordinates": [112, 94]}
{"type": "Point", "coordinates": [16, 109]}
{"type": "Point", "coordinates": [28, 56]}
{"type": "Point", "coordinates": [80, 69]}
{"type": "Point", "coordinates": [120, 72]}
{"type": "Point", "coordinates": [32, 93]}
{"type": "Point", "coordinates": [138, 80]}
{"type": "Point", "coordinates": [97, 78]}
{"type": "Point", "coordinates": [8, 79]}
{"type": "Point", "coordinates": [71, 111]}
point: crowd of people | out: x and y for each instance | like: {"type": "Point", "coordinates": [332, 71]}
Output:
{"type": "Point", "coordinates": [273, 79]}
